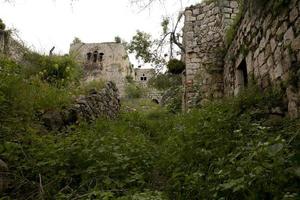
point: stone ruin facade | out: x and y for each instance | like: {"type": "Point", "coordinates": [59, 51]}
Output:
{"type": "Point", "coordinates": [142, 76]}
{"type": "Point", "coordinates": [265, 50]}
{"type": "Point", "coordinates": [103, 61]}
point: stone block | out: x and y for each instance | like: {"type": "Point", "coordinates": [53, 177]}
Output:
{"type": "Point", "coordinates": [278, 70]}
{"type": "Point", "coordinates": [264, 69]}
{"type": "Point", "coordinates": [277, 55]}
{"type": "Point", "coordinates": [288, 36]}
{"type": "Point", "coordinates": [295, 45]}
{"type": "Point", "coordinates": [234, 4]}
{"type": "Point", "coordinates": [227, 10]}
{"type": "Point", "coordinates": [262, 44]}
{"type": "Point", "coordinates": [293, 14]}
{"type": "Point", "coordinates": [261, 58]}
{"type": "Point", "coordinates": [196, 11]}
{"type": "Point", "coordinates": [286, 61]}
{"type": "Point", "coordinates": [297, 26]}
{"type": "Point", "coordinates": [273, 44]}
{"type": "Point", "coordinates": [282, 29]}
{"type": "Point", "coordinates": [270, 62]}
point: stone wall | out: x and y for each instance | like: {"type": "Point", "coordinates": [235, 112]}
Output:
{"type": "Point", "coordinates": [203, 39]}
{"type": "Point", "coordinates": [11, 47]}
{"type": "Point", "coordinates": [103, 103]}
{"type": "Point", "coordinates": [106, 61]}
{"type": "Point", "coordinates": [266, 49]}
{"type": "Point", "coordinates": [142, 76]}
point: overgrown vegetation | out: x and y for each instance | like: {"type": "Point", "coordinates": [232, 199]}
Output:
{"type": "Point", "coordinates": [175, 66]}
{"type": "Point", "coordinates": [226, 150]}
{"type": "Point", "coordinates": [171, 84]}
{"type": "Point", "coordinates": [134, 91]}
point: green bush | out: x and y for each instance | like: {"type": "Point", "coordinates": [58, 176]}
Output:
{"type": "Point", "coordinates": [2, 25]}
{"type": "Point", "coordinates": [231, 149]}
{"type": "Point", "coordinates": [175, 66]}
{"type": "Point", "coordinates": [165, 81]}
{"type": "Point", "coordinates": [86, 88]}
{"type": "Point", "coordinates": [22, 99]}
{"type": "Point", "coordinates": [56, 70]}
{"type": "Point", "coordinates": [134, 91]}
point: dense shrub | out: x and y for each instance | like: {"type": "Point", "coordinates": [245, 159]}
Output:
{"type": "Point", "coordinates": [134, 91]}
{"type": "Point", "coordinates": [231, 149]}
{"type": "Point", "coordinates": [175, 66]}
{"type": "Point", "coordinates": [56, 70]}
{"type": "Point", "coordinates": [2, 25]}
{"type": "Point", "coordinates": [165, 81]}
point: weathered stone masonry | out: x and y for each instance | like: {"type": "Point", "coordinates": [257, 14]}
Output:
{"type": "Point", "coordinates": [203, 39]}
{"type": "Point", "coordinates": [103, 61]}
{"type": "Point", "coordinates": [265, 48]}
{"type": "Point", "coordinates": [103, 103]}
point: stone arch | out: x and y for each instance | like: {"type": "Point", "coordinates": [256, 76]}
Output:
{"type": "Point", "coordinates": [101, 57]}
{"type": "Point", "coordinates": [95, 56]}
{"type": "Point", "coordinates": [89, 56]}
{"type": "Point", "coordinates": [155, 101]}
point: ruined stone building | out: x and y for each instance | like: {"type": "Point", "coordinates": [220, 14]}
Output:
{"type": "Point", "coordinates": [142, 75]}
{"type": "Point", "coordinates": [103, 61]}
{"type": "Point", "coordinates": [224, 53]}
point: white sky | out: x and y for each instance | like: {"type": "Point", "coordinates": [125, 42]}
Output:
{"type": "Point", "coordinates": [45, 23]}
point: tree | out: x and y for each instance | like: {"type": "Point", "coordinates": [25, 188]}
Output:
{"type": "Point", "coordinates": [141, 45]}
{"type": "Point", "coordinates": [76, 40]}
{"type": "Point", "coordinates": [175, 66]}
{"type": "Point", "coordinates": [118, 39]}
{"type": "Point", "coordinates": [2, 25]}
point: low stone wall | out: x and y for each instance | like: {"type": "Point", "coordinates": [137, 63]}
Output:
{"type": "Point", "coordinates": [266, 49]}
{"type": "Point", "coordinates": [103, 103]}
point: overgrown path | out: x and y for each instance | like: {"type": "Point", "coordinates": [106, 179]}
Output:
{"type": "Point", "coordinates": [225, 150]}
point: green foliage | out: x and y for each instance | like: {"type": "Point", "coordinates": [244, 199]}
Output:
{"type": "Point", "coordinates": [231, 31]}
{"type": "Point", "coordinates": [141, 44]}
{"type": "Point", "coordinates": [2, 25]}
{"type": "Point", "coordinates": [96, 161]}
{"type": "Point", "coordinates": [226, 150]}
{"type": "Point", "coordinates": [56, 70]}
{"type": "Point", "coordinates": [175, 66]}
{"type": "Point", "coordinates": [76, 40]}
{"type": "Point", "coordinates": [172, 99]}
{"type": "Point", "coordinates": [129, 79]}
{"type": "Point", "coordinates": [118, 39]}
{"type": "Point", "coordinates": [22, 99]}
{"type": "Point", "coordinates": [86, 88]}
{"type": "Point", "coordinates": [165, 81]}
{"type": "Point", "coordinates": [276, 5]}
{"type": "Point", "coordinates": [165, 25]}
{"type": "Point", "coordinates": [134, 91]}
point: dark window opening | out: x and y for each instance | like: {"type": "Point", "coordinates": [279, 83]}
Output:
{"type": "Point", "coordinates": [143, 78]}
{"type": "Point", "coordinates": [95, 56]}
{"type": "Point", "coordinates": [101, 57]}
{"type": "Point", "coordinates": [243, 74]}
{"type": "Point", "coordinates": [88, 56]}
